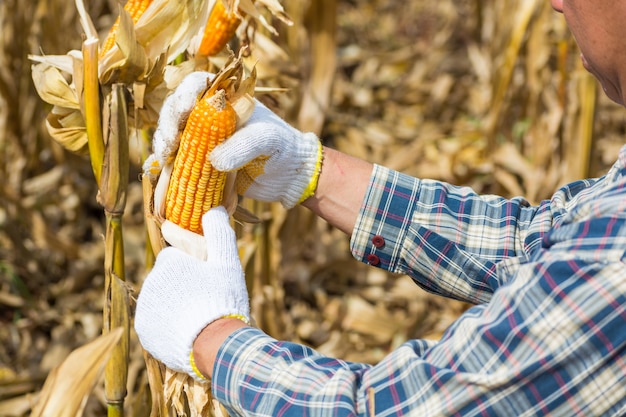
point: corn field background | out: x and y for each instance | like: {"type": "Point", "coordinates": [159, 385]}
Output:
{"type": "Point", "coordinates": [484, 93]}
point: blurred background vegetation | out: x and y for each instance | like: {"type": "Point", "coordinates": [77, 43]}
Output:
{"type": "Point", "coordinates": [484, 93]}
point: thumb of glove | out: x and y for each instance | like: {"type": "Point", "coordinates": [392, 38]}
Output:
{"type": "Point", "coordinates": [223, 257]}
{"type": "Point", "coordinates": [221, 242]}
{"type": "Point", "coordinates": [268, 131]}
{"type": "Point", "coordinates": [173, 115]}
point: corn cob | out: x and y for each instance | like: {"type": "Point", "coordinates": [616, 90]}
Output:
{"type": "Point", "coordinates": [220, 28]}
{"type": "Point", "coordinates": [171, 177]}
{"type": "Point", "coordinates": [195, 186]}
{"type": "Point", "coordinates": [135, 8]}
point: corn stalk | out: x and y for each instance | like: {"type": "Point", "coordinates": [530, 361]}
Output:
{"type": "Point", "coordinates": [523, 18]}
{"type": "Point", "coordinates": [110, 164]}
{"type": "Point", "coordinates": [113, 198]}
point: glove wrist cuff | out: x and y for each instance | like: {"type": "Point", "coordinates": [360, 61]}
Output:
{"type": "Point", "coordinates": [241, 317]}
{"type": "Point", "coordinates": [305, 173]}
{"type": "Point", "coordinates": [197, 375]}
{"type": "Point", "coordinates": [312, 185]}
{"type": "Point", "coordinates": [195, 371]}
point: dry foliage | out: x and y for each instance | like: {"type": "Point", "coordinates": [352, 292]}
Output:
{"type": "Point", "coordinates": [479, 92]}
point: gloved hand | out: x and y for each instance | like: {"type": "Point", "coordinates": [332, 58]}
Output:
{"type": "Point", "coordinates": [182, 295]}
{"type": "Point", "coordinates": [277, 162]}
{"type": "Point", "coordinates": [174, 113]}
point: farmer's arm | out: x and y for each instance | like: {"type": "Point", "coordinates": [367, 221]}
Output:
{"type": "Point", "coordinates": [447, 238]}
{"type": "Point", "coordinates": [502, 358]}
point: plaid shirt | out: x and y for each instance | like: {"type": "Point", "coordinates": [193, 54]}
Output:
{"type": "Point", "coordinates": [547, 334]}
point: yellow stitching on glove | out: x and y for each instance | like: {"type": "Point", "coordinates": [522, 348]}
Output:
{"type": "Point", "coordinates": [195, 368]}
{"type": "Point", "coordinates": [237, 316]}
{"type": "Point", "coordinates": [192, 360]}
{"type": "Point", "coordinates": [310, 189]}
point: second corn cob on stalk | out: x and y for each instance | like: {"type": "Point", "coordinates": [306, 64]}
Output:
{"type": "Point", "coordinates": [135, 8]}
{"type": "Point", "coordinates": [225, 18]}
{"type": "Point", "coordinates": [220, 28]}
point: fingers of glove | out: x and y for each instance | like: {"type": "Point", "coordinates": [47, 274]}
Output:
{"type": "Point", "coordinates": [165, 281]}
{"type": "Point", "coordinates": [175, 303]}
{"type": "Point", "coordinates": [245, 145]}
{"type": "Point", "coordinates": [182, 100]}
{"type": "Point", "coordinates": [176, 109]}
{"type": "Point", "coordinates": [265, 134]}
{"type": "Point", "coordinates": [221, 243]}
{"type": "Point", "coordinates": [185, 240]}
{"type": "Point", "coordinates": [179, 284]}
{"type": "Point", "coordinates": [223, 255]}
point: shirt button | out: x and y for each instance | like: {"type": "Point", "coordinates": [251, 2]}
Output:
{"type": "Point", "coordinates": [378, 241]}
{"type": "Point", "coordinates": [373, 259]}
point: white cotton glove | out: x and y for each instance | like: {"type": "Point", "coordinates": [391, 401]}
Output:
{"type": "Point", "coordinates": [174, 113]}
{"type": "Point", "coordinates": [182, 295]}
{"type": "Point", "coordinates": [276, 161]}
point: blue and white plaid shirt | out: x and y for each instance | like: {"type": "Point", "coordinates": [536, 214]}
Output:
{"type": "Point", "coordinates": [547, 334]}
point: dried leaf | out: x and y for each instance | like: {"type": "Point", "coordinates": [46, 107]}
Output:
{"type": "Point", "coordinates": [52, 87]}
{"type": "Point", "coordinates": [169, 25]}
{"type": "Point", "coordinates": [67, 127]}
{"type": "Point", "coordinates": [275, 8]}
{"type": "Point", "coordinates": [65, 63]}
{"type": "Point", "coordinates": [85, 21]}
{"type": "Point", "coordinates": [127, 61]}
{"type": "Point", "coordinates": [368, 320]}
{"type": "Point", "coordinates": [116, 371]}
{"type": "Point", "coordinates": [318, 87]}
{"type": "Point", "coordinates": [160, 35]}
{"type": "Point", "coordinates": [16, 407]}
{"type": "Point", "coordinates": [115, 169]}
{"type": "Point", "coordinates": [67, 387]}
{"type": "Point", "coordinates": [153, 225]}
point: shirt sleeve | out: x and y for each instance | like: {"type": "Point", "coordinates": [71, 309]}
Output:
{"type": "Point", "coordinates": [448, 239]}
{"type": "Point", "coordinates": [551, 343]}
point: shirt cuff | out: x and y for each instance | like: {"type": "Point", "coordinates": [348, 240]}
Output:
{"type": "Point", "coordinates": [384, 219]}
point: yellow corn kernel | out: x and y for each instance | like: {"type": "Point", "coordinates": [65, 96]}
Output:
{"type": "Point", "coordinates": [195, 186]}
{"type": "Point", "coordinates": [135, 8]}
{"type": "Point", "coordinates": [220, 28]}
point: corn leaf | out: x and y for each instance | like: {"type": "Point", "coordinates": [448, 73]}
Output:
{"type": "Point", "coordinates": [85, 21]}
{"type": "Point", "coordinates": [65, 63]}
{"type": "Point", "coordinates": [275, 8]}
{"type": "Point", "coordinates": [52, 87]}
{"type": "Point", "coordinates": [67, 387]}
{"type": "Point", "coordinates": [116, 160]}
{"type": "Point", "coordinates": [67, 128]}
{"type": "Point", "coordinates": [160, 35]}
{"type": "Point", "coordinates": [127, 61]}
{"type": "Point", "coordinates": [116, 371]}
{"type": "Point", "coordinates": [169, 25]}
